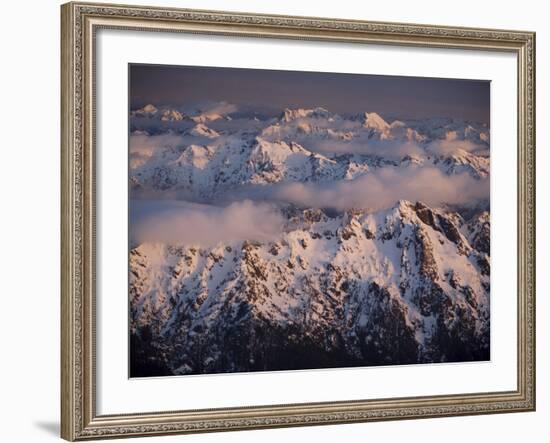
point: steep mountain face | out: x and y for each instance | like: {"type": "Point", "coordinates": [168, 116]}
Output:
{"type": "Point", "coordinates": [404, 284]}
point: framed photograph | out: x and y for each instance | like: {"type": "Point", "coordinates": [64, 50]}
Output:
{"type": "Point", "coordinates": [282, 221]}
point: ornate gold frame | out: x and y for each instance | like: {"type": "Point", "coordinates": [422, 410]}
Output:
{"type": "Point", "coordinates": [79, 420]}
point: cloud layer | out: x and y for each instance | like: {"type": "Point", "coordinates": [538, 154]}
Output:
{"type": "Point", "coordinates": [389, 149]}
{"type": "Point", "coordinates": [144, 147]}
{"type": "Point", "coordinates": [377, 190]}
{"type": "Point", "coordinates": [452, 144]}
{"type": "Point", "coordinates": [186, 223]}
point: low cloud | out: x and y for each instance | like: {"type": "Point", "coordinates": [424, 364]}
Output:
{"type": "Point", "coordinates": [452, 144]}
{"type": "Point", "coordinates": [389, 149]}
{"type": "Point", "coordinates": [222, 108]}
{"type": "Point", "coordinates": [143, 147]}
{"type": "Point", "coordinates": [381, 189]}
{"type": "Point", "coordinates": [158, 126]}
{"type": "Point", "coordinates": [178, 222]}
{"type": "Point", "coordinates": [211, 110]}
{"type": "Point", "coordinates": [377, 190]}
{"type": "Point", "coordinates": [452, 147]}
{"type": "Point", "coordinates": [236, 124]}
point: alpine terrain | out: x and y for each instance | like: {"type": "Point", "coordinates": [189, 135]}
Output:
{"type": "Point", "coordinates": [305, 240]}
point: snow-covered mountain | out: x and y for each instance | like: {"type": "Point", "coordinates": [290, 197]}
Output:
{"type": "Point", "coordinates": [302, 145]}
{"type": "Point", "coordinates": [339, 284]}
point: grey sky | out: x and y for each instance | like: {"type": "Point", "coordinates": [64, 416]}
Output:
{"type": "Point", "coordinates": [270, 91]}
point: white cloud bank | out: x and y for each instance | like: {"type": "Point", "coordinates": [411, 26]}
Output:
{"type": "Point", "coordinates": [177, 222]}
{"type": "Point", "coordinates": [386, 186]}
{"type": "Point", "coordinates": [377, 190]}
{"type": "Point", "coordinates": [253, 216]}
{"type": "Point", "coordinates": [389, 149]}
{"type": "Point", "coordinates": [452, 144]}
{"type": "Point", "coordinates": [143, 146]}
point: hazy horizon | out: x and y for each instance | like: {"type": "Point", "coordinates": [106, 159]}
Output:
{"type": "Point", "coordinates": [269, 91]}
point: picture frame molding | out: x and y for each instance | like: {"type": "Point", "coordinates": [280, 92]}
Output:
{"type": "Point", "coordinates": [79, 24]}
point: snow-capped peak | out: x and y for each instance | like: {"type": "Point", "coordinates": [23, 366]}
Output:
{"type": "Point", "coordinates": [289, 115]}
{"type": "Point", "coordinates": [204, 131]}
{"type": "Point", "coordinates": [171, 115]}
{"type": "Point", "coordinates": [147, 111]}
{"type": "Point", "coordinates": [151, 109]}
{"type": "Point", "coordinates": [374, 121]}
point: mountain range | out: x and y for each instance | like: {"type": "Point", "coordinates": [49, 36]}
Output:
{"type": "Point", "coordinates": [379, 253]}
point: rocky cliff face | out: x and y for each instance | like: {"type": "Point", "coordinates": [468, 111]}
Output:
{"type": "Point", "coordinates": [404, 284]}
